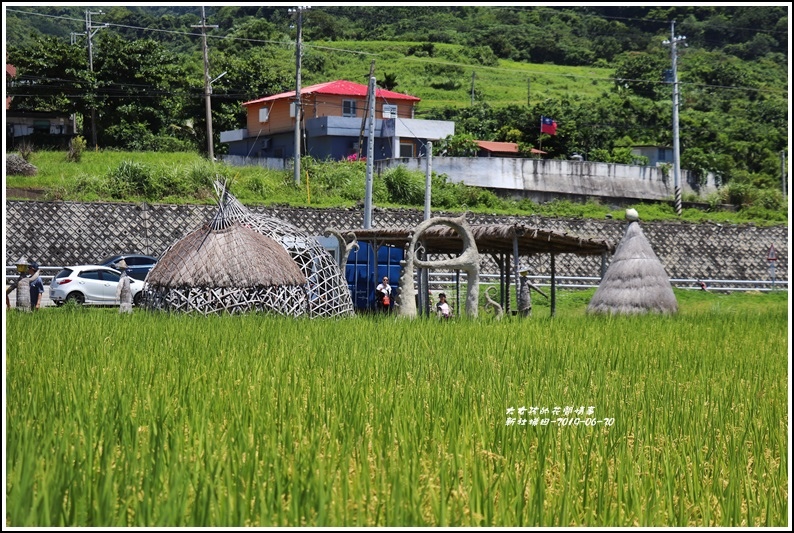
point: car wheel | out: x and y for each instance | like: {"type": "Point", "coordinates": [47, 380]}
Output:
{"type": "Point", "coordinates": [136, 300]}
{"type": "Point", "coordinates": [76, 297]}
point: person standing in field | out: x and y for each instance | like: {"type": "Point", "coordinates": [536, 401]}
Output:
{"type": "Point", "coordinates": [123, 290]}
{"type": "Point", "coordinates": [443, 309]}
{"type": "Point", "coordinates": [383, 295]}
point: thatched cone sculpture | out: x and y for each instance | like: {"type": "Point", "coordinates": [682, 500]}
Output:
{"type": "Point", "coordinates": [635, 281]}
{"type": "Point", "coordinates": [230, 270]}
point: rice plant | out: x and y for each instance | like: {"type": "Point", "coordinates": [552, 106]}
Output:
{"type": "Point", "coordinates": [163, 420]}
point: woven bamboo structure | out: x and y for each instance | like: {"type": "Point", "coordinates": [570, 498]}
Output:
{"type": "Point", "coordinates": [635, 281]}
{"type": "Point", "coordinates": [225, 267]}
{"type": "Point", "coordinates": [328, 293]}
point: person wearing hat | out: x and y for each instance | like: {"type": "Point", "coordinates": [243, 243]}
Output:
{"type": "Point", "coordinates": [123, 290]}
{"type": "Point", "coordinates": [443, 309]}
{"type": "Point", "coordinates": [524, 298]}
{"type": "Point", "coordinates": [29, 287]}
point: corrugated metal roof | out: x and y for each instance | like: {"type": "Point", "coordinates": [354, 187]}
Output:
{"type": "Point", "coordinates": [339, 88]}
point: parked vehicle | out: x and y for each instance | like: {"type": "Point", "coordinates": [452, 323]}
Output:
{"type": "Point", "coordinates": [138, 265]}
{"type": "Point", "coordinates": [90, 285]}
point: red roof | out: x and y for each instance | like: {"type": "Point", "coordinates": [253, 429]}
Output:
{"type": "Point", "coordinates": [493, 146]}
{"type": "Point", "coordinates": [11, 70]}
{"type": "Point", "coordinates": [338, 88]}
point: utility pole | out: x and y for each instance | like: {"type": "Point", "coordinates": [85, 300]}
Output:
{"type": "Point", "coordinates": [207, 84]}
{"type": "Point", "coordinates": [298, 52]}
{"type": "Point", "coordinates": [428, 179]}
{"type": "Point", "coordinates": [366, 110]}
{"type": "Point", "coordinates": [676, 150]}
{"type": "Point", "coordinates": [90, 30]}
{"type": "Point", "coordinates": [370, 150]}
{"type": "Point", "coordinates": [473, 75]}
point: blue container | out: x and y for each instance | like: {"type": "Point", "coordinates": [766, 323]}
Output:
{"type": "Point", "coordinates": [365, 269]}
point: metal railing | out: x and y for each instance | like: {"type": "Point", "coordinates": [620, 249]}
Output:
{"type": "Point", "coordinates": [47, 273]}
{"type": "Point", "coordinates": [440, 280]}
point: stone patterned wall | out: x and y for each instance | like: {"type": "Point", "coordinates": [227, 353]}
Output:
{"type": "Point", "coordinates": [64, 233]}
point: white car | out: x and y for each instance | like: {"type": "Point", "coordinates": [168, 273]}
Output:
{"type": "Point", "coordinates": [90, 285]}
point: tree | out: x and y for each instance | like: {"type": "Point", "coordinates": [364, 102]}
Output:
{"type": "Point", "coordinates": [389, 81]}
{"type": "Point", "coordinates": [458, 145]}
{"type": "Point", "coordinates": [642, 73]}
{"type": "Point", "coordinates": [51, 76]}
{"type": "Point", "coordinates": [139, 82]}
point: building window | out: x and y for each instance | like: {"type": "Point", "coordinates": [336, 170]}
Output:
{"type": "Point", "coordinates": [661, 154]}
{"type": "Point", "coordinates": [406, 149]}
{"type": "Point", "coordinates": [41, 126]}
{"type": "Point", "coordinates": [264, 114]}
{"type": "Point", "coordinates": [348, 108]}
{"type": "Point", "coordinates": [389, 111]}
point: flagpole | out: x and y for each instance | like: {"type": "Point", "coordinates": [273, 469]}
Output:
{"type": "Point", "coordinates": [540, 141]}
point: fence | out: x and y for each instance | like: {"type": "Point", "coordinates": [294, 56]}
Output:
{"type": "Point", "coordinates": [450, 281]}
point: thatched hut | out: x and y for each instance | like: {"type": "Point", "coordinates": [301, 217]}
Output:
{"type": "Point", "coordinates": [329, 295]}
{"type": "Point", "coordinates": [635, 281]}
{"type": "Point", "coordinates": [226, 269]}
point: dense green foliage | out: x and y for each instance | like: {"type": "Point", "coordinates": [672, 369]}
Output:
{"type": "Point", "coordinates": [598, 71]}
{"type": "Point", "coordinates": [184, 177]}
{"type": "Point", "coordinates": [167, 421]}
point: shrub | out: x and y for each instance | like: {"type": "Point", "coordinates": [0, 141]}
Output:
{"type": "Point", "coordinates": [404, 186]}
{"type": "Point", "coordinates": [200, 177]}
{"type": "Point", "coordinates": [129, 178]}
{"type": "Point", "coordinates": [91, 184]}
{"type": "Point", "coordinates": [25, 151]}
{"type": "Point", "coordinates": [447, 84]}
{"type": "Point", "coordinates": [476, 197]}
{"type": "Point", "coordinates": [739, 193]}
{"type": "Point", "coordinates": [76, 148]}
{"type": "Point", "coordinates": [259, 186]}
{"type": "Point", "coordinates": [458, 145]}
{"type": "Point", "coordinates": [771, 199]}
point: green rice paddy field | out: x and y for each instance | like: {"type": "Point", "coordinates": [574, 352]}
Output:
{"type": "Point", "coordinates": [160, 420]}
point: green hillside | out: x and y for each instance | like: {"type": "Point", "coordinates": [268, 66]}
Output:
{"type": "Point", "coordinates": [445, 79]}
{"type": "Point", "coordinates": [602, 73]}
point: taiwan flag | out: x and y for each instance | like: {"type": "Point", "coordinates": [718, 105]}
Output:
{"type": "Point", "coordinates": [548, 125]}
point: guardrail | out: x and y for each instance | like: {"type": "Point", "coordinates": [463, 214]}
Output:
{"type": "Point", "coordinates": [445, 280]}
{"type": "Point", "coordinates": [440, 280]}
{"type": "Point", "coordinates": [47, 273]}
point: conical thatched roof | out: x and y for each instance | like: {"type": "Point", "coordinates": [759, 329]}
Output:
{"type": "Point", "coordinates": [234, 256]}
{"type": "Point", "coordinates": [635, 281]}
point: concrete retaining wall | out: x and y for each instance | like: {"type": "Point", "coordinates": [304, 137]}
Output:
{"type": "Point", "coordinates": [540, 179]}
{"type": "Point", "coordinates": [545, 179]}
{"type": "Point", "coordinates": [64, 233]}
